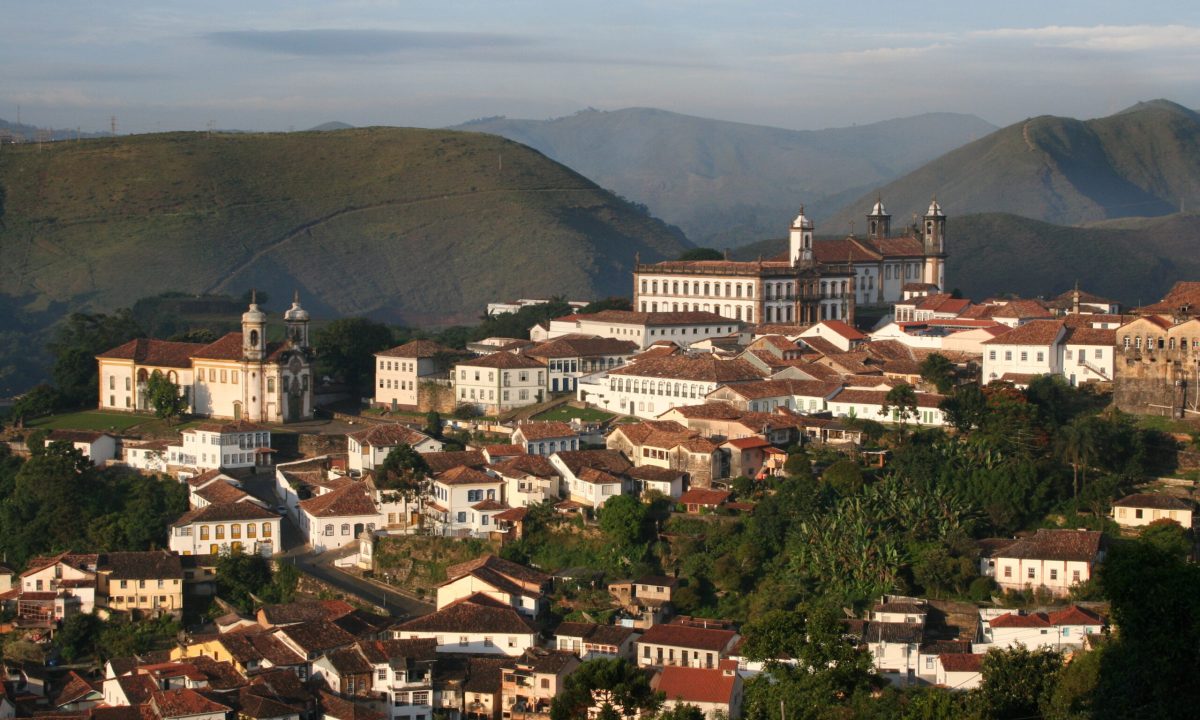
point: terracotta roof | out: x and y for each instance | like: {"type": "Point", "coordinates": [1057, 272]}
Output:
{"type": "Point", "coordinates": [961, 662]}
{"type": "Point", "coordinates": [76, 688]}
{"type": "Point", "coordinates": [609, 460]}
{"type": "Point", "coordinates": [220, 492]}
{"type": "Point", "coordinates": [842, 329]}
{"type": "Point", "coordinates": [516, 514]}
{"type": "Point", "coordinates": [697, 685]}
{"type": "Point", "coordinates": [898, 632]}
{"type": "Point", "coordinates": [748, 443]}
{"type": "Point", "coordinates": [224, 512]}
{"type": "Point", "coordinates": [463, 475]}
{"type": "Point", "coordinates": [484, 675]}
{"type": "Point", "coordinates": [390, 435]}
{"type": "Point", "coordinates": [839, 251]}
{"type": "Point", "coordinates": [316, 636]}
{"type": "Point", "coordinates": [474, 614]}
{"type": "Point", "coordinates": [708, 411]}
{"type": "Point", "coordinates": [565, 347]}
{"type": "Point", "coordinates": [821, 345]}
{"type": "Point", "coordinates": [489, 504]}
{"type": "Point", "coordinates": [253, 705]}
{"type": "Point", "coordinates": [900, 607]}
{"type": "Point", "coordinates": [336, 708]}
{"type": "Point", "coordinates": [613, 635]}
{"type": "Point", "coordinates": [655, 474]}
{"type": "Point", "coordinates": [596, 476]}
{"type": "Point", "coordinates": [1075, 615]}
{"type": "Point", "coordinates": [781, 388]}
{"type": "Point", "coordinates": [347, 500]}
{"type": "Point", "coordinates": [688, 637]}
{"type": "Point", "coordinates": [1156, 501]}
{"type": "Point", "coordinates": [535, 465]}
{"type": "Point", "coordinates": [161, 353]}
{"type": "Point", "coordinates": [1077, 545]}
{"type": "Point", "coordinates": [657, 351]}
{"type": "Point", "coordinates": [704, 496]}
{"type": "Point", "coordinates": [545, 430]}
{"type": "Point", "coordinates": [503, 451]}
{"type": "Point", "coordinates": [502, 361]}
{"type": "Point", "coordinates": [1022, 309]}
{"type": "Point", "coordinates": [706, 368]}
{"type": "Point", "coordinates": [628, 317]}
{"type": "Point", "coordinates": [1182, 294]}
{"type": "Point", "coordinates": [226, 347]}
{"type": "Point", "coordinates": [1035, 333]}
{"type": "Point", "coordinates": [443, 461]}
{"type": "Point", "coordinates": [301, 611]}
{"type": "Point", "coordinates": [1090, 336]}
{"type": "Point", "coordinates": [417, 349]}
{"type": "Point", "coordinates": [1016, 620]}
{"type": "Point", "coordinates": [183, 702]}
{"type": "Point", "coordinates": [498, 564]}
{"type": "Point", "coordinates": [877, 397]}
{"type": "Point", "coordinates": [149, 565]}
{"type": "Point", "coordinates": [76, 436]}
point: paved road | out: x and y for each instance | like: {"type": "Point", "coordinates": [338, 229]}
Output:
{"type": "Point", "coordinates": [295, 551]}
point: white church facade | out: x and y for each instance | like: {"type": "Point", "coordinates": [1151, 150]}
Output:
{"type": "Point", "coordinates": [816, 280]}
{"type": "Point", "coordinates": [240, 376]}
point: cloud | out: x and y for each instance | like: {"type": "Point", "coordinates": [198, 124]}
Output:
{"type": "Point", "coordinates": [1111, 38]}
{"type": "Point", "coordinates": [351, 42]}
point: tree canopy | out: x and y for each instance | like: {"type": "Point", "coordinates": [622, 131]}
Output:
{"type": "Point", "coordinates": [615, 685]}
{"type": "Point", "coordinates": [346, 349]}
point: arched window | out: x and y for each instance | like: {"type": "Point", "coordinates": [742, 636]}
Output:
{"type": "Point", "coordinates": [1137, 342]}
{"type": "Point", "coordinates": [749, 314]}
{"type": "Point", "coordinates": [203, 532]}
{"type": "Point", "coordinates": [654, 287]}
{"type": "Point", "coordinates": [739, 289]}
{"type": "Point", "coordinates": [251, 530]}
{"type": "Point", "coordinates": [266, 530]}
{"type": "Point", "coordinates": [706, 290]}
{"type": "Point", "coordinates": [345, 528]}
{"type": "Point", "coordinates": [253, 338]}
{"type": "Point", "coordinates": [675, 288]}
{"type": "Point", "coordinates": [220, 532]}
{"type": "Point", "coordinates": [235, 531]}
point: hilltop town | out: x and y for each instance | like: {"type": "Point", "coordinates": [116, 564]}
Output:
{"type": "Point", "coordinates": [819, 480]}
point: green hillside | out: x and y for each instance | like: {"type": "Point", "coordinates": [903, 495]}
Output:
{"type": "Point", "coordinates": [1144, 161]}
{"type": "Point", "coordinates": [405, 225]}
{"type": "Point", "coordinates": [728, 183]}
{"type": "Point", "coordinates": [1132, 261]}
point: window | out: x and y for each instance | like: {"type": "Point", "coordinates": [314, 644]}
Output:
{"type": "Point", "coordinates": [345, 528]}
{"type": "Point", "coordinates": [462, 640]}
{"type": "Point", "coordinates": [203, 532]}
{"type": "Point", "coordinates": [381, 674]}
{"type": "Point", "coordinates": [1007, 571]}
{"type": "Point", "coordinates": [251, 529]}
{"type": "Point", "coordinates": [487, 642]}
{"type": "Point", "coordinates": [421, 697]}
{"type": "Point", "coordinates": [220, 532]}
{"type": "Point", "coordinates": [1024, 356]}
{"type": "Point", "coordinates": [1008, 355]}
{"type": "Point", "coordinates": [545, 683]}
{"type": "Point", "coordinates": [1041, 356]}
{"type": "Point", "coordinates": [266, 530]}
{"type": "Point", "coordinates": [329, 529]}
{"type": "Point", "coordinates": [991, 354]}
{"type": "Point", "coordinates": [1053, 574]}
{"type": "Point", "coordinates": [1074, 576]}
{"type": "Point", "coordinates": [462, 517]}
{"type": "Point", "coordinates": [1031, 573]}
{"type": "Point", "coordinates": [124, 584]}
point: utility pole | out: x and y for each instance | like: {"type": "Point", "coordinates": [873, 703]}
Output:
{"type": "Point", "coordinates": [113, 124]}
{"type": "Point", "coordinates": [210, 128]}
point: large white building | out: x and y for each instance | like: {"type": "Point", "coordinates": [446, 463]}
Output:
{"type": "Point", "coordinates": [649, 387]}
{"type": "Point", "coordinates": [399, 372]}
{"type": "Point", "coordinates": [643, 328]}
{"type": "Point", "coordinates": [241, 376]}
{"type": "Point", "coordinates": [500, 381]}
{"type": "Point", "coordinates": [1050, 347]}
{"type": "Point", "coordinates": [228, 527]}
{"type": "Point", "coordinates": [815, 280]}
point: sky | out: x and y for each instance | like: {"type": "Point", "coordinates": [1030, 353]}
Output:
{"type": "Point", "coordinates": [265, 65]}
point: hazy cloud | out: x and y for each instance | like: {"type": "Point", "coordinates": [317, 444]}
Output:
{"type": "Point", "coordinates": [328, 43]}
{"type": "Point", "coordinates": [1119, 38]}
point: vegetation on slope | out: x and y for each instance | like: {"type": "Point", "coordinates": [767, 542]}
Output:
{"type": "Point", "coordinates": [729, 183]}
{"type": "Point", "coordinates": [1142, 161]}
{"type": "Point", "coordinates": [401, 224]}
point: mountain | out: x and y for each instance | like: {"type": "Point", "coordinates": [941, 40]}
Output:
{"type": "Point", "coordinates": [331, 125]}
{"type": "Point", "coordinates": [405, 225]}
{"type": "Point", "coordinates": [1134, 261]}
{"type": "Point", "coordinates": [1143, 161]}
{"type": "Point", "coordinates": [31, 133]}
{"type": "Point", "coordinates": [726, 183]}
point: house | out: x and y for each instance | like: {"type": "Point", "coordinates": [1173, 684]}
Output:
{"type": "Point", "coordinates": [1016, 313]}
{"type": "Point", "coordinates": [1144, 508]}
{"type": "Point", "coordinates": [1059, 630]}
{"type": "Point", "coordinates": [335, 518]}
{"type": "Point", "coordinates": [310, 640]}
{"type": "Point", "coordinates": [894, 635]}
{"type": "Point", "coordinates": [251, 649]}
{"type": "Point", "coordinates": [406, 375]}
{"type": "Point", "coordinates": [1054, 559]}
{"type": "Point", "coordinates": [545, 438]}
{"type": "Point", "coordinates": [213, 487]}
{"type": "Point", "coordinates": [399, 672]}
{"type": "Point", "coordinates": [922, 308]}
{"type": "Point", "coordinates": [684, 645]}
{"type": "Point", "coordinates": [589, 640]}
{"type": "Point", "coordinates": [474, 624]}
{"type": "Point", "coordinates": [223, 445]}
{"type": "Point", "coordinates": [868, 405]}
{"type": "Point", "coordinates": [95, 446]}
{"type": "Point", "coordinates": [667, 444]}
{"type": "Point", "coordinates": [647, 327]}
{"type": "Point", "coordinates": [56, 587]}
{"type": "Point", "coordinates": [651, 386]}
{"type": "Point", "coordinates": [836, 332]}
{"type": "Point", "coordinates": [463, 501]}
{"type": "Point", "coordinates": [531, 682]}
{"type": "Point", "coordinates": [226, 527]}
{"type": "Point", "coordinates": [499, 382]}
{"type": "Point", "coordinates": [367, 449]}
{"type": "Point", "coordinates": [696, 499]}
{"type": "Point", "coordinates": [239, 376]}
{"type": "Point", "coordinates": [149, 456]}
{"type": "Point", "coordinates": [767, 395]}
{"type": "Point", "coordinates": [747, 455]}
{"type": "Point", "coordinates": [569, 357]}
{"type": "Point", "coordinates": [508, 582]}
{"type": "Point", "coordinates": [185, 704]}
{"type": "Point", "coordinates": [76, 694]}
{"type": "Point", "coordinates": [143, 584]}
{"type": "Point", "coordinates": [648, 479]}
{"type": "Point", "coordinates": [591, 477]}
{"type": "Point", "coordinates": [482, 687]}
{"type": "Point", "coordinates": [959, 671]}
{"type": "Point", "coordinates": [717, 692]}
{"type": "Point", "coordinates": [1157, 351]}
{"type": "Point", "coordinates": [528, 480]}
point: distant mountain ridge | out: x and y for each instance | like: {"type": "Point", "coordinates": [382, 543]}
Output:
{"type": "Point", "coordinates": [405, 225]}
{"type": "Point", "coordinates": [1142, 161]}
{"type": "Point", "coordinates": [726, 183]}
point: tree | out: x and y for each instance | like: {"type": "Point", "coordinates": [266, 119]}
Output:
{"type": "Point", "coordinates": [346, 349]}
{"type": "Point", "coordinates": [403, 473]}
{"type": "Point", "coordinates": [798, 465]}
{"type": "Point", "coordinates": [901, 404]}
{"type": "Point", "coordinates": [75, 346]}
{"type": "Point", "coordinates": [433, 424]}
{"type": "Point", "coordinates": [1169, 537]}
{"type": "Point", "coordinates": [614, 685]}
{"type": "Point", "coordinates": [164, 396]}
{"type": "Point", "coordinates": [682, 711]}
{"type": "Point", "coordinates": [77, 638]}
{"type": "Point", "coordinates": [1017, 682]}
{"type": "Point", "coordinates": [1077, 444]}
{"type": "Point", "coordinates": [702, 254]}
{"type": "Point", "coordinates": [41, 400]}
{"type": "Point", "coordinates": [241, 576]}
{"type": "Point", "coordinates": [966, 409]}
{"type": "Point", "coordinates": [623, 520]}
{"type": "Point", "coordinates": [937, 370]}
{"type": "Point", "coordinates": [612, 303]}
{"type": "Point", "coordinates": [844, 476]}
{"type": "Point", "coordinates": [195, 335]}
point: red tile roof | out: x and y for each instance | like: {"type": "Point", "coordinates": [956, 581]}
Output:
{"type": "Point", "coordinates": [1077, 545]}
{"type": "Point", "coordinates": [545, 430]}
{"type": "Point", "coordinates": [697, 685]}
{"type": "Point", "coordinates": [350, 499]}
{"type": "Point", "coordinates": [1015, 620]}
{"type": "Point", "coordinates": [503, 361]}
{"type": "Point", "coordinates": [706, 368]}
{"type": "Point", "coordinates": [704, 496]}
{"type": "Point", "coordinates": [961, 662]}
{"type": "Point", "coordinates": [688, 637]}
{"type": "Point", "coordinates": [182, 702]}
{"type": "Point", "coordinates": [628, 317]}
{"type": "Point", "coordinates": [536, 465]}
{"type": "Point", "coordinates": [1090, 336]}
{"type": "Point", "coordinates": [1041, 333]}
{"type": "Point", "coordinates": [224, 512]}
{"type": "Point", "coordinates": [1075, 615]}
{"type": "Point", "coordinates": [565, 347]}
{"type": "Point", "coordinates": [475, 614]}
{"type": "Point", "coordinates": [843, 329]}
{"type": "Point", "coordinates": [161, 353]}
{"type": "Point", "coordinates": [417, 349]}
{"type": "Point", "coordinates": [609, 460]}
{"type": "Point", "coordinates": [463, 475]}
{"type": "Point", "coordinates": [443, 461]}
{"type": "Point", "coordinates": [389, 435]}
{"type": "Point", "coordinates": [1157, 501]}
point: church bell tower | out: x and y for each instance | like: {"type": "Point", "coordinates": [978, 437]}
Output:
{"type": "Point", "coordinates": [800, 240]}
{"type": "Point", "coordinates": [879, 222]}
{"type": "Point", "coordinates": [934, 237]}
{"type": "Point", "coordinates": [254, 331]}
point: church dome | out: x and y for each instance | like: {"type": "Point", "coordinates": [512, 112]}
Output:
{"type": "Point", "coordinates": [296, 313]}
{"type": "Point", "coordinates": [253, 314]}
{"type": "Point", "coordinates": [878, 209]}
{"type": "Point", "coordinates": [934, 209]}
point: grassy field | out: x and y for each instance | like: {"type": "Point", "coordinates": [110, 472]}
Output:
{"type": "Point", "coordinates": [99, 420]}
{"type": "Point", "coordinates": [1168, 425]}
{"type": "Point", "coordinates": [566, 413]}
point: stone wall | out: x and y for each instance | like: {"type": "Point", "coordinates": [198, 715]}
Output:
{"type": "Point", "coordinates": [1162, 382]}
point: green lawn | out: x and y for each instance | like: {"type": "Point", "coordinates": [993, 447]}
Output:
{"type": "Point", "coordinates": [1166, 424]}
{"type": "Point", "coordinates": [566, 412]}
{"type": "Point", "coordinates": [91, 420]}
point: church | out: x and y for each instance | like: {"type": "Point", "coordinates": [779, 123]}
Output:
{"type": "Point", "coordinates": [240, 376]}
{"type": "Point", "coordinates": [816, 280]}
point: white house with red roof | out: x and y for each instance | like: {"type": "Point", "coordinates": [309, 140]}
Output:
{"type": "Point", "coordinates": [367, 449]}
{"type": "Point", "coordinates": [239, 376]}
{"type": "Point", "coordinates": [463, 501]}
{"type": "Point", "coordinates": [545, 438]}
{"type": "Point", "coordinates": [229, 446]}
{"type": "Point", "coordinates": [868, 405]}
{"type": "Point", "coordinates": [840, 334]}
{"type": "Point", "coordinates": [336, 516]}
{"type": "Point", "coordinates": [570, 357]}
{"type": "Point", "coordinates": [647, 388]}
{"type": "Point", "coordinates": [958, 671]}
{"type": "Point", "coordinates": [647, 326]}
{"type": "Point", "coordinates": [717, 692]}
{"type": "Point", "coordinates": [523, 588]}
{"type": "Point", "coordinates": [1062, 629]}
{"type": "Point", "coordinates": [226, 527]}
{"type": "Point", "coordinates": [1079, 353]}
{"type": "Point", "coordinates": [477, 624]}
{"type": "Point", "coordinates": [96, 446]}
{"type": "Point", "coordinates": [684, 646]}
{"type": "Point", "coordinates": [499, 381]}
{"type": "Point", "coordinates": [400, 372]}
{"type": "Point", "coordinates": [1054, 559]}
